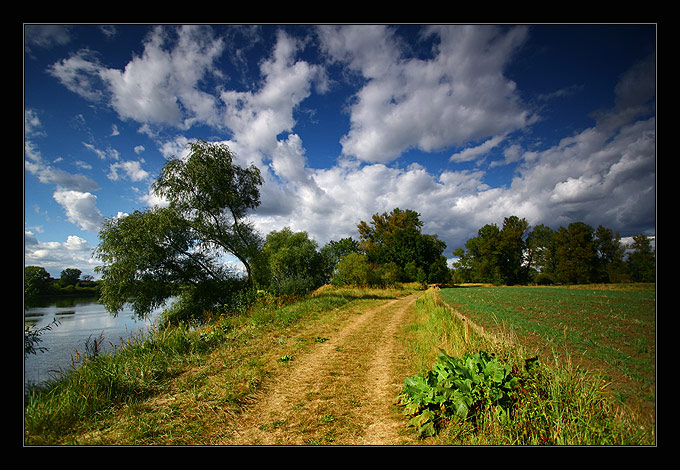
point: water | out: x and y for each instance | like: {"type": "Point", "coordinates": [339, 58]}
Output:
{"type": "Point", "coordinates": [79, 320]}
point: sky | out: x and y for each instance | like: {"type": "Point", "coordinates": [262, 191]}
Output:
{"type": "Point", "coordinates": [466, 124]}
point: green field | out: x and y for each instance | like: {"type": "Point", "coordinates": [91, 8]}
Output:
{"type": "Point", "coordinates": [610, 330]}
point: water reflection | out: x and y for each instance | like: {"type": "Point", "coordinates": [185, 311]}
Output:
{"type": "Point", "coordinates": [79, 320]}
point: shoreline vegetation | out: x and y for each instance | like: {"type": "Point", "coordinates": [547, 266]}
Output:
{"type": "Point", "coordinates": [214, 371]}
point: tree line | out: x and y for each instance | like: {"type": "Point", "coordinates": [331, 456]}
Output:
{"type": "Point", "coordinates": [179, 250]}
{"type": "Point", "coordinates": [39, 283]}
{"type": "Point", "coordinates": [576, 254]}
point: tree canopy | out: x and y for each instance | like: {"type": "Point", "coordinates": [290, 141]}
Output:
{"type": "Point", "coordinates": [290, 263]}
{"type": "Point", "coordinates": [157, 253]}
{"type": "Point", "coordinates": [576, 254]}
{"type": "Point", "coordinates": [397, 238]}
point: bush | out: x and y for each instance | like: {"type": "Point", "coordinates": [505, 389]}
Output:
{"type": "Point", "coordinates": [353, 270]}
{"type": "Point", "coordinates": [544, 279]}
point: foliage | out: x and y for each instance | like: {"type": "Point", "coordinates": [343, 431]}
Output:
{"type": "Point", "coordinates": [355, 270]}
{"type": "Point", "coordinates": [32, 338]}
{"type": "Point", "coordinates": [290, 263]}
{"type": "Point", "coordinates": [213, 195]}
{"type": "Point", "coordinates": [496, 255]}
{"type": "Point", "coordinates": [157, 253]}
{"type": "Point", "coordinates": [576, 254]}
{"type": "Point", "coordinates": [397, 238]}
{"type": "Point", "coordinates": [36, 282]}
{"type": "Point", "coordinates": [641, 262]}
{"type": "Point", "coordinates": [458, 389]}
{"type": "Point", "coordinates": [333, 251]}
{"type": "Point", "coordinates": [70, 276]}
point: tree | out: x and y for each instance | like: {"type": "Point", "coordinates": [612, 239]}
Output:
{"type": "Point", "coordinates": [70, 276]}
{"type": "Point", "coordinates": [157, 253]}
{"type": "Point", "coordinates": [540, 244]}
{"type": "Point", "coordinates": [36, 283]}
{"type": "Point", "coordinates": [213, 196]}
{"type": "Point", "coordinates": [575, 254]}
{"type": "Point", "coordinates": [512, 268]}
{"type": "Point", "coordinates": [483, 255]}
{"type": "Point", "coordinates": [610, 267]}
{"type": "Point", "coordinates": [332, 252]}
{"type": "Point", "coordinates": [397, 238]}
{"type": "Point", "coordinates": [641, 260]}
{"type": "Point", "coordinates": [290, 263]}
{"type": "Point", "coordinates": [355, 270]}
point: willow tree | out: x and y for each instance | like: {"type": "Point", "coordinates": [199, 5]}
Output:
{"type": "Point", "coordinates": [153, 254]}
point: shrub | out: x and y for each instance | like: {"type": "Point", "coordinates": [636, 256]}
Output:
{"type": "Point", "coordinates": [458, 389]}
{"type": "Point", "coordinates": [544, 279]}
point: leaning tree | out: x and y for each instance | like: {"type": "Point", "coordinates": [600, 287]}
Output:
{"type": "Point", "coordinates": [180, 249]}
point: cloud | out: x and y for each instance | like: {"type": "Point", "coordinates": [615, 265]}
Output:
{"type": "Point", "coordinates": [159, 87]}
{"type": "Point", "coordinates": [458, 96]}
{"type": "Point", "coordinates": [81, 208]}
{"type": "Point", "coordinates": [75, 252]}
{"type": "Point", "coordinates": [45, 36]}
{"type": "Point", "coordinates": [47, 174]}
{"type": "Point", "coordinates": [605, 174]}
{"type": "Point", "coordinates": [256, 118]}
{"type": "Point", "coordinates": [471, 153]}
{"type": "Point", "coordinates": [132, 170]}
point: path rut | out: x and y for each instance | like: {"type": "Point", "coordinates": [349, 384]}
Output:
{"type": "Point", "coordinates": [339, 393]}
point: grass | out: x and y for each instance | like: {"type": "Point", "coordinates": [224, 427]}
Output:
{"type": "Point", "coordinates": [180, 385]}
{"type": "Point", "coordinates": [608, 329]}
{"type": "Point", "coordinates": [185, 385]}
{"type": "Point", "coordinates": [564, 402]}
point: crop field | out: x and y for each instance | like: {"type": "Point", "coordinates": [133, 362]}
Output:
{"type": "Point", "coordinates": [607, 329]}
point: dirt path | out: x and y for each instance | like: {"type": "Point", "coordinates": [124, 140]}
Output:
{"type": "Point", "coordinates": [341, 392]}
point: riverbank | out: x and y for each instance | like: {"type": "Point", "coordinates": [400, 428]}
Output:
{"type": "Point", "coordinates": [317, 362]}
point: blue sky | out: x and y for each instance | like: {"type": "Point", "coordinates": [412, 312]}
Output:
{"type": "Point", "coordinates": [466, 124]}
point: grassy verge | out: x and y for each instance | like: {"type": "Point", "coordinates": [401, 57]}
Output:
{"type": "Point", "coordinates": [557, 403]}
{"type": "Point", "coordinates": [608, 329]}
{"type": "Point", "coordinates": [184, 385]}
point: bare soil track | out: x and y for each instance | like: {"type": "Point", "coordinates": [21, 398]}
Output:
{"type": "Point", "coordinates": [339, 393]}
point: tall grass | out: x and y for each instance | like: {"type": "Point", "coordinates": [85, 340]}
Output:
{"type": "Point", "coordinates": [101, 382]}
{"type": "Point", "coordinates": [558, 403]}
{"type": "Point", "coordinates": [154, 389]}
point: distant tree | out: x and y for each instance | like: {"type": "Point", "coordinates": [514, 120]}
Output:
{"type": "Point", "coordinates": [641, 260]}
{"type": "Point", "coordinates": [36, 283]}
{"type": "Point", "coordinates": [540, 246]}
{"type": "Point", "coordinates": [610, 266]}
{"type": "Point", "coordinates": [397, 238]}
{"type": "Point", "coordinates": [462, 267]}
{"type": "Point", "coordinates": [333, 251]}
{"type": "Point", "coordinates": [157, 253]}
{"type": "Point", "coordinates": [291, 262]}
{"type": "Point", "coordinates": [495, 255]}
{"type": "Point", "coordinates": [439, 272]}
{"type": "Point", "coordinates": [69, 277]}
{"type": "Point", "coordinates": [576, 255]}
{"type": "Point", "coordinates": [512, 245]}
{"type": "Point", "coordinates": [355, 270]}
{"type": "Point", "coordinates": [483, 255]}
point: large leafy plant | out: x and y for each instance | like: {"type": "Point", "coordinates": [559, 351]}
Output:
{"type": "Point", "coordinates": [458, 388]}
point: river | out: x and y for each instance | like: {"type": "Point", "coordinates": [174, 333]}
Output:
{"type": "Point", "coordinates": [79, 320]}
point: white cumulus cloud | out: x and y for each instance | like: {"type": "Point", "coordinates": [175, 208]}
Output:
{"type": "Point", "coordinates": [81, 208]}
